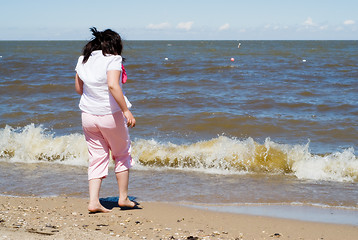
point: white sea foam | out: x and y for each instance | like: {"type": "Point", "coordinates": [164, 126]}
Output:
{"type": "Point", "coordinates": [32, 145]}
{"type": "Point", "coordinates": [221, 155]}
{"type": "Point", "coordinates": [339, 166]}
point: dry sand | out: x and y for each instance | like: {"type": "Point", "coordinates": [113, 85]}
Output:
{"type": "Point", "coordinates": [68, 218]}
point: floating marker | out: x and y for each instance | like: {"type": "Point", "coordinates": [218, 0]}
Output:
{"type": "Point", "coordinates": [166, 59]}
{"type": "Point", "coordinates": [232, 59]}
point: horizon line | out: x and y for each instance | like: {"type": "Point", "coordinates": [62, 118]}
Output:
{"type": "Point", "coordinates": [49, 40]}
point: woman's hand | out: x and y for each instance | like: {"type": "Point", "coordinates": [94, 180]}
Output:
{"type": "Point", "coordinates": [116, 91]}
{"type": "Point", "coordinates": [130, 119]}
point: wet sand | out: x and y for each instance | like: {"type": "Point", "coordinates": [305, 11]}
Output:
{"type": "Point", "coordinates": [68, 218]}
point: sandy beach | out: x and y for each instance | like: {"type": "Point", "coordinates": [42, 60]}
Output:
{"type": "Point", "coordinates": [68, 218]}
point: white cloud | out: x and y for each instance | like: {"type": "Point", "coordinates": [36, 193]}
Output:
{"type": "Point", "coordinates": [159, 26]}
{"type": "Point", "coordinates": [224, 27]}
{"type": "Point", "coordinates": [185, 25]}
{"type": "Point", "coordinates": [269, 27]}
{"type": "Point", "coordinates": [349, 22]}
{"type": "Point", "coordinates": [276, 27]}
{"type": "Point", "coordinates": [312, 26]}
{"type": "Point", "coordinates": [309, 22]}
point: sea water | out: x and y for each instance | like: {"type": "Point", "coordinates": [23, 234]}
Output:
{"type": "Point", "coordinates": [278, 125]}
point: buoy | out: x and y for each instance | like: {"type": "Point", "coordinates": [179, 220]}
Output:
{"type": "Point", "coordinates": [166, 59]}
{"type": "Point", "coordinates": [232, 59]}
{"type": "Point", "coordinates": [238, 46]}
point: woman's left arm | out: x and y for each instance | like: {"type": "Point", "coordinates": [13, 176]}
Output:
{"type": "Point", "coordinates": [78, 84]}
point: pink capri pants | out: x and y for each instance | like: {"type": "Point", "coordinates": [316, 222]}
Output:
{"type": "Point", "coordinates": [105, 133]}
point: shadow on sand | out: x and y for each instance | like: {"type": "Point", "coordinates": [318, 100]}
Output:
{"type": "Point", "coordinates": [112, 202]}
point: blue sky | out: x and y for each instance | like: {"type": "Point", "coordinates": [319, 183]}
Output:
{"type": "Point", "coordinates": [180, 20]}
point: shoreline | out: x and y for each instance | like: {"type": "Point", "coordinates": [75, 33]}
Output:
{"type": "Point", "coordinates": [68, 218]}
{"type": "Point", "coordinates": [300, 212]}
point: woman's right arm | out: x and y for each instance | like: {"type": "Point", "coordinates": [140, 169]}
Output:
{"type": "Point", "coordinates": [78, 85]}
{"type": "Point", "coordinates": [116, 91]}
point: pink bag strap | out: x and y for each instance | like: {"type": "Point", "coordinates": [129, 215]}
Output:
{"type": "Point", "coordinates": [124, 75]}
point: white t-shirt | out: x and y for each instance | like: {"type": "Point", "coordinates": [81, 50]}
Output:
{"type": "Point", "coordinates": [96, 98]}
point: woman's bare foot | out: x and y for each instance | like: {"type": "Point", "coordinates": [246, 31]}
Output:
{"type": "Point", "coordinates": [126, 203]}
{"type": "Point", "coordinates": [97, 208]}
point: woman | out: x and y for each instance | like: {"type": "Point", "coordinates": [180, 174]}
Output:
{"type": "Point", "coordinates": [105, 114]}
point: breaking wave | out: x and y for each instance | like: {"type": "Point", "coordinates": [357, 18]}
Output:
{"type": "Point", "coordinates": [220, 155]}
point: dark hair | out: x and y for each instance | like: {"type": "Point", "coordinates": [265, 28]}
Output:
{"type": "Point", "coordinates": [108, 41]}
